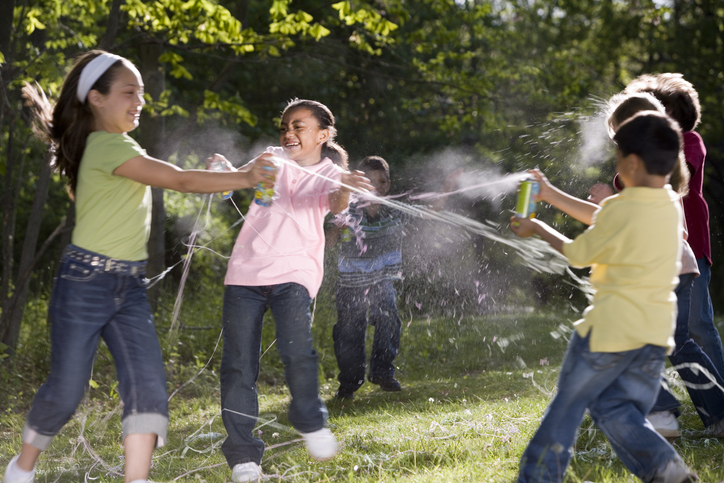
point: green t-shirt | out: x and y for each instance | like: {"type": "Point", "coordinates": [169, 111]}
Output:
{"type": "Point", "coordinates": [113, 213]}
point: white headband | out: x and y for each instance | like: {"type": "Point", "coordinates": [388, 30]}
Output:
{"type": "Point", "coordinates": [92, 72]}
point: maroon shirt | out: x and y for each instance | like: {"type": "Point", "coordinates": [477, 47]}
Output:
{"type": "Point", "coordinates": [695, 207]}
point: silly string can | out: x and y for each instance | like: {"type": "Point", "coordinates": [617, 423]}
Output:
{"type": "Point", "coordinates": [264, 194]}
{"type": "Point", "coordinates": [218, 165]}
{"type": "Point", "coordinates": [527, 191]}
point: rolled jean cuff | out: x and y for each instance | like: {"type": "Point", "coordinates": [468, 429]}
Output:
{"type": "Point", "coordinates": [146, 423]}
{"type": "Point", "coordinates": [35, 439]}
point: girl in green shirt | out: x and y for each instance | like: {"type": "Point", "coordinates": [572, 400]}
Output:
{"type": "Point", "coordinates": [100, 287]}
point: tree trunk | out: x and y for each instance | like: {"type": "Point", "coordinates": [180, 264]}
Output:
{"type": "Point", "coordinates": [153, 140]}
{"type": "Point", "coordinates": [8, 231]}
{"type": "Point", "coordinates": [6, 26]}
{"type": "Point", "coordinates": [28, 258]}
{"type": "Point", "coordinates": [114, 18]}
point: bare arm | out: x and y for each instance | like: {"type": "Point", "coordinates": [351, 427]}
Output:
{"type": "Point", "coordinates": [338, 200]}
{"type": "Point", "coordinates": [577, 208]}
{"type": "Point", "coordinates": [160, 174]}
{"type": "Point", "coordinates": [526, 227]}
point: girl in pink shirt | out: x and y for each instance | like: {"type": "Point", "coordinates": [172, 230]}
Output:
{"type": "Point", "coordinates": [277, 264]}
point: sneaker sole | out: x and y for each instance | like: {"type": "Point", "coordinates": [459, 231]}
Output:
{"type": "Point", "coordinates": [391, 389]}
{"type": "Point", "coordinates": [668, 433]}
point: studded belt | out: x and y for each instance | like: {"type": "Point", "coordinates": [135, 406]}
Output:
{"type": "Point", "coordinates": [105, 264]}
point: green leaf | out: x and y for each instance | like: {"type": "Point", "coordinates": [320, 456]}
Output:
{"type": "Point", "coordinates": [278, 9]}
{"type": "Point", "coordinates": [344, 9]}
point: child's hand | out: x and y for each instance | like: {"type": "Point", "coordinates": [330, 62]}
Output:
{"type": "Point", "coordinates": [599, 192]}
{"type": "Point", "coordinates": [219, 158]}
{"type": "Point", "coordinates": [261, 170]}
{"type": "Point", "coordinates": [523, 227]}
{"type": "Point", "coordinates": [545, 186]}
{"type": "Point", "coordinates": [356, 179]}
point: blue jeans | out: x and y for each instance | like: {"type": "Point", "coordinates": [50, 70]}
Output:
{"type": "Point", "coordinates": [618, 388]}
{"type": "Point", "coordinates": [244, 309]}
{"type": "Point", "coordinates": [353, 304]}
{"type": "Point", "coordinates": [701, 317]}
{"type": "Point", "coordinates": [88, 303]}
{"type": "Point", "coordinates": [708, 399]}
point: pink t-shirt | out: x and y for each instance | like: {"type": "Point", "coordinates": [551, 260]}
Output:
{"type": "Point", "coordinates": [284, 242]}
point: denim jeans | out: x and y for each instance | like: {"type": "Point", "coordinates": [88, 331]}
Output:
{"type": "Point", "coordinates": [244, 309]}
{"type": "Point", "coordinates": [689, 360]}
{"type": "Point", "coordinates": [353, 305]}
{"type": "Point", "coordinates": [88, 303]}
{"type": "Point", "coordinates": [701, 317]}
{"type": "Point", "coordinates": [618, 388]}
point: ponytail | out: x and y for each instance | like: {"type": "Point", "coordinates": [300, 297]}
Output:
{"type": "Point", "coordinates": [335, 152]}
{"type": "Point", "coordinates": [325, 118]}
{"type": "Point", "coordinates": [67, 125]}
{"type": "Point", "coordinates": [680, 176]}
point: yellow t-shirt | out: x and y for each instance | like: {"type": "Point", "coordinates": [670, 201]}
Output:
{"type": "Point", "coordinates": [113, 213]}
{"type": "Point", "coordinates": [633, 248]}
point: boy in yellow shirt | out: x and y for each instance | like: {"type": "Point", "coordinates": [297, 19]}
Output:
{"type": "Point", "coordinates": [616, 354]}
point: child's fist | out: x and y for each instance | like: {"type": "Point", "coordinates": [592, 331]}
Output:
{"type": "Point", "coordinates": [544, 186]}
{"type": "Point", "coordinates": [599, 192]}
{"type": "Point", "coordinates": [523, 227]}
{"type": "Point", "coordinates": [262, 170]}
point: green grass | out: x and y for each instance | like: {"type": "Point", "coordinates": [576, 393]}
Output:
{"type": "Point", "coordinates": [474, 390]}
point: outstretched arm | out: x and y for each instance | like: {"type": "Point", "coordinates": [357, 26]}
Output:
{"type": "Point", "coordinates": [160, 174]}
{"type": "Point", "coordinates": [579, 209]}
{"type": "Point", "coordinates": [338, 200]}
{"type": "Point", "coordinates": [526, 227]}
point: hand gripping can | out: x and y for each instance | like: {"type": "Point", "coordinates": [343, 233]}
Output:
{"type": "Point", "coordinates": [525, 207]}
{"type": "Point", "coordinates": [218, 165]}
{"type": "Point", "coordinates": [264, 194]}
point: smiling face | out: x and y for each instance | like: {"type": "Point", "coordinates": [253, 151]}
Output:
{"type": "Point", "coordinates": [301, 137]}
{"type": "Point", "coordinates": [119, 110]}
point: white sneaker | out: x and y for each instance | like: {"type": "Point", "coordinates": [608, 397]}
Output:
{"type": "Point", "coordinates": [665, 423]}
{"type": "Point", "coordinates": [244, 472]}
{"type": "Point", "coordinates": [321, 445]}
{"type": "Point", "coordinates": [13, 474]}
{"type": "Point", "coordinates": [675, 471]}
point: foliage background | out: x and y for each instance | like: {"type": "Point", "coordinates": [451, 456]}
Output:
{"type": "Point", "coordinates": [494, 86]}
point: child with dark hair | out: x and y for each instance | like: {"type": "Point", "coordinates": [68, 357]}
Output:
{"type": "Point", "coordinates": [681, 102]}
{"type": "Point", "coordinates": [616, 353]}
{"type": "Point", "coordinates": [370, 261]}
{"type": "Point", "coordinates": [100, 289]}
{"type": "Point", "coordinates": [277, 264]}
{"type": "Point", "coordinates": [688, 357]}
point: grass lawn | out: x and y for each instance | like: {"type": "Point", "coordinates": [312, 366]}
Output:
{"type": "Point", "coordinates": [474, 390]}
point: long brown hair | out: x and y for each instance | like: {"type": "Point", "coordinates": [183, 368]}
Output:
{"type": "Point", "coordinates": [67, 124]}
{"type": "Point", "coordinates": [325, 118]}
